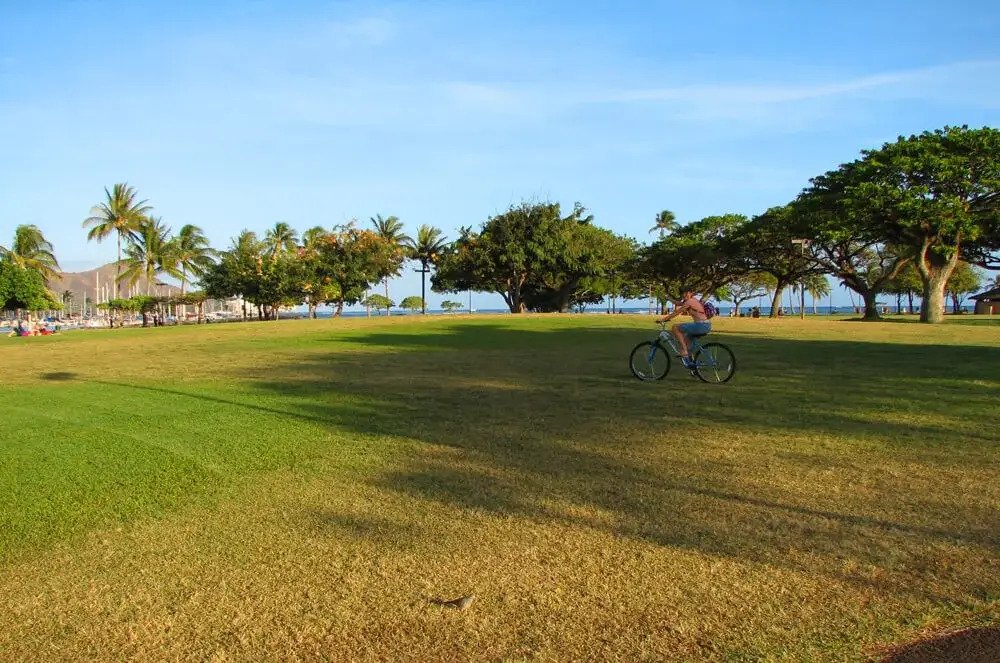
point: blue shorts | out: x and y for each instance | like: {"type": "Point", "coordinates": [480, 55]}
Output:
{"type": "Point", "coordinates": [695, 328]}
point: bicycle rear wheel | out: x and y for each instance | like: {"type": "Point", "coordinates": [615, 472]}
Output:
{"type": "Point", "coordinates": [649, 361]}
{"type": "Point", "coordinates": [715, 363]}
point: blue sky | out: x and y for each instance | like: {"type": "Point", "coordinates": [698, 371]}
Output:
{"type": "Point", "coordinates": [234, 115]}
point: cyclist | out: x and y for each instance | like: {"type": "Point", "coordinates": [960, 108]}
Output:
{"type": "Point", "coordinates": [688, 305]}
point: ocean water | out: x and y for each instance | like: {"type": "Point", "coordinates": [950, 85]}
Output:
{"type": "Point", "coordinates": [724, 311]}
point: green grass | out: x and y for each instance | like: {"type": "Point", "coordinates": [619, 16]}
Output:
{"type": "Point", "coordinates": [304, 491]}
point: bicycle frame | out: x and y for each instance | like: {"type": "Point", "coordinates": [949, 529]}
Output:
{"type": "Point", "coordinates": [710, 362]}
{"type": "Point", "coordinates": [666, 337]}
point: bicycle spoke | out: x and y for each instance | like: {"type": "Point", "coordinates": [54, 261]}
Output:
{"type": "Point", "coordinates": [649, 361]}
{"type": "Point", "coordinates": [715, 363]}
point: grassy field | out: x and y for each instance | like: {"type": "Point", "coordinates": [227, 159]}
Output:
{"type": "Point", "coordinates": [306, 490]}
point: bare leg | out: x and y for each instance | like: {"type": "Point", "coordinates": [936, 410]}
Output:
{"type": "Point", "coordinates": [681, 338]}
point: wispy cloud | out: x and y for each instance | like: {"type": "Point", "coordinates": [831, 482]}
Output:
{"type": "Point", "coordinates": [740, 96]}
{"type": "Point", "coordinates": [922, 81]}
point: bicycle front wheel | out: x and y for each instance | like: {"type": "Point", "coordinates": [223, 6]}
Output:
{"type": "Point", "coordinates": [649, 361]}
{"type": "Point", "coordinates": [715, 363]}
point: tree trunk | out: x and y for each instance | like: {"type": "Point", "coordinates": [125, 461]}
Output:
{"type": "Point", "coordinates": [118, 266]}
{"type": "Point", "coordinates": [312, 310]}
{"type": "Point", "coordinates": [871, 308]}
{"type": "Point", "coordinates": [339, 309]}
{"type": "Point", "coordinates": [909, 298]}
{"type": "Point", "coordinates": [776, 301]}
{"type": "Point", "coordinates": [934, 271]}
{"type": "Point", "coordinates": [932, 310]}
{"type": "Point", "coordinates": [387, 314]}
{"type": "Point", "coordinates": [955, 304]}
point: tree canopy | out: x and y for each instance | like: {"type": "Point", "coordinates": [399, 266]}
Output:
{"type": "Point", "coordinates": [23, 288]}
{"type": "Point", "coordinates": [533, 257]}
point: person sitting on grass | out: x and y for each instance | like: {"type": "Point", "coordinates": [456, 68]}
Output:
{"type": "Point", "coordinates": [688, 305]}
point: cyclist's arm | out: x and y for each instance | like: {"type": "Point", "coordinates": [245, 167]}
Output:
{"type": "Point", "coordinates": [679, 310]}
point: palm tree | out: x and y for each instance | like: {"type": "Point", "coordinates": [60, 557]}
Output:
{"type": "Point", "coordinates": [282, 237]}
{"type": "Point", "coordinates": [121, 213]}
{"type": "Point", "coordinates": [818, 287]}
{"type": "Point", "coordinates": [390, 229]}
{"type": "Point", "coordinates": [426, 249]}
{"type": "Point", "coordinates": [31, 250]}
{"type": "Point", "coordinates": [666, 223]}
{"type": "Point", "coordinates": [192, 253]}
{"type": "Point", "coordinates": [148, 253]}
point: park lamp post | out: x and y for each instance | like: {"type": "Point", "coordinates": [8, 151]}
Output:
{"type": "Point", "coordinates": [802, 244]}
{"type": "Point", "coordinates": [424, 269]}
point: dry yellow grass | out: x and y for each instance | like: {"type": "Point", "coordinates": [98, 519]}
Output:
{"type": "Point", "coordinates": [838, 496]}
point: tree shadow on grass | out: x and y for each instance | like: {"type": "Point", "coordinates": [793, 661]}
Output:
{"type": "Point", "coordinates": [967, 645]}
{"type": "Point", "coordinates": [548, 425]}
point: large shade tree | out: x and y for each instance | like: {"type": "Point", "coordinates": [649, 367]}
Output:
{"type": "Point", "coordinates": [936, 194]}
{"type": "Point", "coordinates": [316, 288]}
{"type": "Point", "coordinates": [847, 240]}
{"type": "Point", "coordinates": [704, 256]}
{"type": "Point", "coordinates": [120, 214]}
{"type": "Point", "coordinates": [767, 244]}
{"type": "Point", "coordinates": [533, 257]}
{"type": "Point", "coordinates": [235, 274]}
{"type": "Point", "coordinates": [349, 261]}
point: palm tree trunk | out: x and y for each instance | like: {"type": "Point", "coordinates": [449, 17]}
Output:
{"type": "Point", "coordinates": [387, 314]}
{"type": "Point", "coordinates": [118, 265]}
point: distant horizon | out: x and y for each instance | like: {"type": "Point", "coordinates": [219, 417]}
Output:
{"type": "Point", "coordinates": [844, 301]}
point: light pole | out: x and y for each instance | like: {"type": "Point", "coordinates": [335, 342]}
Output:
{"type": "Point", "coordinates": [802, 244]}
{"type": "Point", "coordinates": [423, 271]}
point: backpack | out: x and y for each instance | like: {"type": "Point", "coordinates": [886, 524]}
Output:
{"type": "Point", "coordinates": [710, 309]}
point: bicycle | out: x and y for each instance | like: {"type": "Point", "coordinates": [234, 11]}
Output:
{"type": "Point", "coordinates": [712, 362]}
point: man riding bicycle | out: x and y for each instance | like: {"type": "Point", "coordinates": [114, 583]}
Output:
{"type": "Point", "coordinates": [688, 305]}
